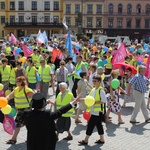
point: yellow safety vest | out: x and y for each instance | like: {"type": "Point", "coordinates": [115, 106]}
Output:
{"type": "Point", "coordinates": [45, 73]}
{"type": "Point", "coordinates": [62, 102]}
{"type": "Point", "coordinates": [12, 79]}
{"type": "Point", "coordinates": [8, 51]}
{"type": "Point", "coordinates": [34, 57]}
{"type": "Point", "coordinates": [30, 72]}
{"type": "Point", "coordinates": [20, 98]}
{"type": "Point", "coordinates": [38, 58]}
{"type": "Point", "coordinates": [109, 64]}
{"type": "Point", "coordinates": [78, 66]}
{"type": "Point", "coordinates": [97, 107]}
{"type": "Point", "coordinates": [5, 73]}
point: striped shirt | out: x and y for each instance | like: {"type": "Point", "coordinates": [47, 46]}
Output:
{"type": "Point", "coordinates": [139, 83]}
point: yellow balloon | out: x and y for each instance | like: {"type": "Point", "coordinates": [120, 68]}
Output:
{"type": "Point", "coordinates": [89, 101]}
{"type": "Point", "coordinates": [7, 92]}
{"type": "Point", "coordinates": [6, 110]}
{"type": "Point", "coordinates": [103, 76]}
{"type": "Point", "coordinates": [1, 86]}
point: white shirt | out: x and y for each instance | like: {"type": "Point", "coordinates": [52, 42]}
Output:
{"type": "Point", "coordinates": [91, 78]}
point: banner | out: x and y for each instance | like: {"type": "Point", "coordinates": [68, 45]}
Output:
{"type": "Point", "coordinates": [120, 54]}
{"type": "Point", "coordinates": [13, 39]}
{"type": "Point", "coordinates": [147, 73]}
{"type": "Point", "coordinates": [27, 52]}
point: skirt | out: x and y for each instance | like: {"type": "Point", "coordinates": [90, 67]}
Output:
{"type": "Point", "coordinates": [63, 124]}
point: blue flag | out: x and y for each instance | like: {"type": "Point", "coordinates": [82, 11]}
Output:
{"type": "Point", "coordinates": [45, 37]}
{"type": "Point", "coordinates": [69, 44]}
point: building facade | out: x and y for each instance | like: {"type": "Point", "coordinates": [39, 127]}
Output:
{"type": "Point", "coordinates": [87, 14]}
{"type": "Point", "coordinates": [127, 18]}
{"type": "Point", "coordinates": [25, 17]}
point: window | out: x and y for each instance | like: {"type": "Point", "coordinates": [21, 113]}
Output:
{"type": "Point", "coordinates": [12, 5]}
{"type": "Point", "coordinates": [46, 5]}
{"type": "Point", "coordinates": [98, 22]}
{"type": "Point", "coordinates": [110, 22]}
{"type": "Point", "coordinates": [12, 18]}
{"type": "Point", "coordinates": [120, 8]}
{"type": "Point", "coordinates": [90, 9]}
{"type": "Point", "coordinates": [89, 22]}
{"type": "Point", "coordinates": [2, 5]}
{"type": "Point", "coordinates": [138, 22]}
{"type": "Point", "coordinates": [129, 8]}
{"type": "Point", "coordinates": [147, 23]}
{"type": "Point", "coordinates": [77, 8]}
{"type": "Point", "coordinates": [21, 18]}
{"type": "Point", "coordinates": [147, 9]}
{"type": "Point", "coordinates": [56, 19]}
{"type": "Point", "coordinates": [68, 8]}
{"type": "Point", "coordinates": [34, 19]}
{"type": "Point", "coordinates": [99, 9]}
{"type": "Point", "coordinates": [76, 21]}
{"type": "Point", "coordinates": [21, 5]}
{"type": "Point", "coordinates": [110, 8]}
{"type": "Point", "coordinates": [129, 21]}
{"type": "Point", "coordinates": [68, 21]}
{"type": "Point", "coordinates": [138, 9]}
{"type": "Point", "coordinates": [2, 19]}
{"type": "Point", "coordinates": [119, 22]}
{"type": "Point", "coordinates": [47, 19]}
{"type": "Point", "coordinates": [34, 5]}
{"type": "Point", "coordinates": [56, 5]}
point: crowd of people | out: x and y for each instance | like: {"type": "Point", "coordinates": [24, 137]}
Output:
{"type": "Point", "coordinates": [88, 72]}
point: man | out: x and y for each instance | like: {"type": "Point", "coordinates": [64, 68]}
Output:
{"type": "Point", "coordinates": [45, 75]}
{"type": "Point", "coordinates": [80, 67]}
{"type": "Point", "coordinates": [140, 85]}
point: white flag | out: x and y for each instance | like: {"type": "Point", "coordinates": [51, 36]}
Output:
{"type": "Point", "coordinates": [64, 23]}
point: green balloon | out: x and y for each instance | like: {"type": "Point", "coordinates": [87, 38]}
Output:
{"type": "Point", "coordinates": [115, 83]}
{"type": "Point", "coordinates": [86, 64]}
{"type": "Point", "coordinates": [13, 112]}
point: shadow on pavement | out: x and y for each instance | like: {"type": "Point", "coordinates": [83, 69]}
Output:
{"type": "Point", "coordinates": [95, 147]}
{"type": "Point", "coordinates": [111, 128]}
{"type": "Point", "coordinates": [137, 129]}
{"type": "Point", "coordinates": [126, 111]}
{"type": "Point", "coordinates": [78, 128]}
{"type": "Point", "coordinates": [62, 144]}
{"type": "Point", "coordinates": [20, 146]}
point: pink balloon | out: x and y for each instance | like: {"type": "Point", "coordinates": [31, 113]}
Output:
{"type": "Point", "coordinates": [2, 93]}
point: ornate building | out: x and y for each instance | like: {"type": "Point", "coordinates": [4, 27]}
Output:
{"type": "Point", "coordinates": [23, 17]}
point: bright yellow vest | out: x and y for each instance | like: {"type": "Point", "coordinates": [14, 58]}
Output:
{"type": "Point", "coordinates": [97, 107]}
{"type": "Point", "coordinates": [12, 79]}
{"type": "Point", "coordinates": [66, 100]}
{"type": "Point", "coordinates": [34, 57]}
{"type": "Point", "coordinates": [5, 73]}
{"type": "Point", "coordinates": [78, 66]}
{"type": "Point", "coordinates": [8, 51]}
{"type": "Point", "coordinates": [38, 58]}
{"type": "Point", "coordinates": [31, 74]}
{"type": "Point", "coordinates": [45, 74]}
{"type": "Point", "coordinates": [109, 64]}
{"type": "Point", "coordinates": [20, 98]}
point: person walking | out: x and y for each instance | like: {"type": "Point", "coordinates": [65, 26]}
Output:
{"type": "Point", "coordinates": [22, 96]}
{"type": "Point", "coordinates": [97, 112]}
{"type": "Point", "coordinates": [140, 85]}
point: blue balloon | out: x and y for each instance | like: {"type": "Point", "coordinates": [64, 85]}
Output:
{"type": "Point", "coordinates": [131, 49]}
{"type": "Point", "coordinates": [139, 63]}
{"type": "Point", "coordinates": [91, 41]}
{"type": "Point", "coordinates": [78, 47]}
{"type": "Point", "coordinates": [145, 46]}
{"type": "Point", "coordinates": [147, 50]}
{"type": "Point", "coordinates": [18, 50]}
{"type": "Point", "coordinates": [105, 49]}
{"type": "Point", "coordinates": [105, 62]}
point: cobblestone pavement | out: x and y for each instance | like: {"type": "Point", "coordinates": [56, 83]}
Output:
{"type": "Point", "coordinates": [118, 137]}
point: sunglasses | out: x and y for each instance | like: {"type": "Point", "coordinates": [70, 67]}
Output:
{"type": "Point", "coordinates": [62, 64]}
{"type": "Point", "coordinates": [95, 81]}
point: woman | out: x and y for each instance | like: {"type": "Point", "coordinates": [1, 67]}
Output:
{"type": "Point", "coordinates": [22, 97]}
{"type": "Point", "coordinates": [31, 74]}
{"type": "Point", "coordinates": [64, 122]}
{"type": "Point", "coordinates": [97, 111]}
{"type": "Point", "coordinates": [82, 87]}
{"type": "Point", "coordinates": [40, 123]}
{"type": "Point", "coordinates": [93, 68]}
{"type": "Point", "coordinates": [61, 75]}
{"type": "Point", "coordinates": [128, 78]}
{"type": "Point", "coordinates": [19, 71]}
{"type": "Point", "coordinates": [113, 99]}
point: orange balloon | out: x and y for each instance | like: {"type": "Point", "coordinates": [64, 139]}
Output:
{"type": "Point", "coordinates": [3, 102]}
{"type": "Point", "coordinates": [145, 60]}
